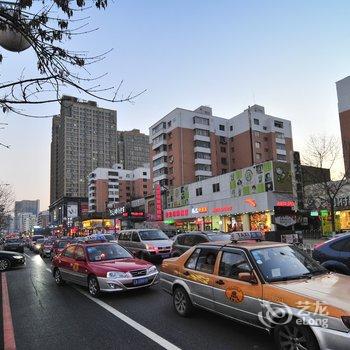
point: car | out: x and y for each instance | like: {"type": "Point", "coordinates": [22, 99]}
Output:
{"type": "Point", "coordinates": [33, 241]}
{"type": "Point", "coordinates": [14, 245]}
{"type": "Point", "coordinates": [334, 254]}
{"type": "Point", "coordinates": [185, 241]}
{"type": "Point", "coordinates": [102, 267]}
{"type": "Point", "coordinates": [37, 247]}
{"type": "Point", "coordinates": [59, 245]}
{"type": "Point", "coordinates": [272, 286]}
{"type": "Point", "coordinates": [46, 247]}
{"type": "Point", "coordinates": [10, 259]}
{"type": "Point", "coordinates": [147, 244]}
{"type": "Point", "coordinates": [110, 237]}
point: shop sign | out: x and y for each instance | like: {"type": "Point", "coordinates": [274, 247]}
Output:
{"type": "Point", "coordinates": [285, 220]}
{"type": "Point", "coordinates": [314, 213]}
{"type": "Point", "coordinates": [324, 212]}
{"type": "Point", "coordinates": [176, 213]}
{"type": "Point", "coordinates": [169, 221]}
{"type": "Point", "coordinates": [342, 201]}
{"type": "Point", "coordinates": [159, 206]}
{"type": "Point", "coordinates": [199, 210]}
{"type": "Point", "coordinates": [285, 204]}
{"type": "Point", "coordinates": [117, 211]}
{"type": "Point", "coordinates": [250, 201]}
{"type": "Point", "coordinates": [222, 209]}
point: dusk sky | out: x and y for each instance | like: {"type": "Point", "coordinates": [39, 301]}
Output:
{"type": "Point", "coordinates": [284, 55]}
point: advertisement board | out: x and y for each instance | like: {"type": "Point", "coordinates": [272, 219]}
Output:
{"type": "Point", "coordinates": [72, 211]}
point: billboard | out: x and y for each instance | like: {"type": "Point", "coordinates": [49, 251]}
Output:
{"type": "Point", "coordinates": [282, 177]}
{"type": "Point", "coordinates": [72, 211]}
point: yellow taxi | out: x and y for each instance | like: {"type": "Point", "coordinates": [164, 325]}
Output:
{"type": "Point", "coordinates": [269, 285]}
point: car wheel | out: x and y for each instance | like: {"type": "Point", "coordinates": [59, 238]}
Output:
{"type": "Point", "coordinates": [58, 278]}
{"type": "Point", "coordinates": [94, 288]}
{"type": "Point", "coordinates": [182, 302]}
{"type": "Point", "coordinates": [4, 264]}
{"type": "Point", "coordinates": [294, 336]}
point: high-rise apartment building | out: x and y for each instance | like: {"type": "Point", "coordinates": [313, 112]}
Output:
{"type": "Point", "coordinates": [189, 146]}
{"type": "Point", "coordinates": [84, 137]}
{"type": "Point", "coordinates": [44, 219]}
{"type": "Point", "coordinates": [25, 207]}
{"type": "Point", "coordinates": [117, 185]}
{"type": "Point", "coordinates": [343, 92]}
{"type": "Point", "coordinates": [133, 149]}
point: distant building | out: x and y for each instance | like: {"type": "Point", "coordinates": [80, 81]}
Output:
{"type": "Point", "coordinates": [84, 137]}
{"type": "Point", "coordinates": [108, 186]}
{"type": "Point", "coordinates": [26, 222]}
{"type": "Point", "coordinates": [133, 149]}
{"type": "Point", "coordinates": [189, 146]}
{"type": "Point", "coordinates": [25, 207]}
{"type": "Point", "coordinates": [44, 219]}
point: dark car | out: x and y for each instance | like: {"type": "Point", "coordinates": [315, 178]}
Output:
{"type": "Point", "coordinates": [39, 243]}
{"type": "Point", "coordinates": [33, 241]}
{"type": "Point", "coordinates": [185, 241]}
{"type": "Point", "coordinates": [10, 259]}
{"type": "Point", "coordinates": [14, 245]}
{"type": "Point", "coordinates": [334, 254]}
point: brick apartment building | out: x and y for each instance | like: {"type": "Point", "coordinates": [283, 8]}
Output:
{"type": "Point", "coordinates": [117, 185]}
{"type": "Point", "coordinates": [189, 146]}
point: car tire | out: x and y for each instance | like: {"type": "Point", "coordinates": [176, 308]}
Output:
{"type": "Point", "coordinates": [294, 336]}
{"type": "Point", "coordinates": [93, 286]}
{"type": "Point", "coordinates": [182, 302]}
{"type": "Point", "coordinates": [4, 265]}
{"type": "Point", "coordinates": [58, 277]}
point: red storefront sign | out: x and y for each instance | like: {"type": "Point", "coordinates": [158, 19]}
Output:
{"type": "Point", "coordinates": [158, 202]}
{"type": "Point", "coordinates": [285, 204]}
{"type": "Point", "coordinates": [176, 213]}
{"type": "Point", "coordinates": [222, 209]}
{"type": "Point", "coordinates": [251, 202]}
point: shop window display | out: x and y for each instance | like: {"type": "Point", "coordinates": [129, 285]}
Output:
{"type": "Point", "coordinates": [260, 222]}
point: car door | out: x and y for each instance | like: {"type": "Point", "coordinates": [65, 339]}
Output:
{"type": "Point", "coordinates": [80, 270]}
{"type": "Point", "coordinates": [198, 272]}
{"type": "Point", "coordinates": [66, 261]}
{"type": "Point", "coordinates": [233, 297]}
{"type": "Point", "coordinates": [345, 253]}
{"type": "Point", "coordinates": [179, 246]}
{"type": "Point", "coordinates": [125, 239]}
{"type": "Point", "coordinates": [136, 243]}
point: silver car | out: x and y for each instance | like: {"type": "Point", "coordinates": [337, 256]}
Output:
{"type": "Point", "coordinates": [148, 244]}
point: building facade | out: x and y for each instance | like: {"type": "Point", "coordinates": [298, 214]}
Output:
{"type": "Point", "coordinates": [109, 186]}
{"type": "Point", "coordinates": [44, 219]}
{"type": "Point", "coordinates": [133, 149]}
{"type": "Point", "coordinates": [25, 207]}
{"type": "Point", "coordinates": [189, 146]}
{"type": "Point", "coordinates": [343, 92]}
{"type": "Point", "coordinates": [26, 222]}
{"type": "Point", "coordinates": [84, 137]}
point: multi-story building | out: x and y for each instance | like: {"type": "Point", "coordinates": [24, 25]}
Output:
{"type": "Point", "coordinates": [44, 219]}
{"type": "Point", "coordinates": [108, 186]}
{"type": "Point", "coordinates": [343, 92]}
{"type": "Point", "coordinates": [84, 137]}
{"type": "Point", "coordinates": [189, 146]}
{"type": "Point", "coordinates": [133, 149]}
{"type": "Point", "coordinates": [25, 207]}
{"type": "Point", "coordinates": [26, 222]}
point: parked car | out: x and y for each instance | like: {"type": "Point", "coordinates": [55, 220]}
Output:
{"type": "Point", "coordinates": [334, 254]}
{"type": "Point", "coordinates": [272, 286]}
{"type": "Point", "coordinates": [39, 243]}
{"type": "Point", "coordinates": [33, 241]}
{"type": "Point", "coordinates": [102, 267]}
{"type": "Point", "coordinates": [147, 244]}
{"type": "Point", "coordinates": [58, 246]}
{"type": "Point", "coordinates": [185, 241]}
{"type": "Point", "coordinates": [10, 259]}
{"type": "Point", "coordinates": [14, 245]}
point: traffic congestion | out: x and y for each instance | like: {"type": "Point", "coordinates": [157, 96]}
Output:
{"type": "Point", "coordinates": [292, 300]}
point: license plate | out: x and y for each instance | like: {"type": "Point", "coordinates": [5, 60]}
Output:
{"type": "Point", "coordinates": [140, 281]}
{"type": "Point", "coordinates": [166, 255]}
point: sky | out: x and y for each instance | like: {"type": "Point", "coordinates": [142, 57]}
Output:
{"type": "Point", "coordinates": [228, 54]}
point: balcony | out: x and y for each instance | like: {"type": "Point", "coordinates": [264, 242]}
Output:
{"type": "Point", "coordinates": [160, 154]}
{"type": "Point", "coordinates": [202, 161]}
{"type": "Point", "coordinates": [280, 140]}
{"type": "Point", "coordinates": [201, 138]}
{"type": "Point", "coordinates": [159, 143]}
{"type": "Point", "coordinates": [203, 173]}
{"type": "Point", "coordinates": [160, 177]}
{"type": "Point", "coordinates": [160, 166]}
{"type": "Point", "coordinates": [281, 151]}
{"type": "Point", "coordinates": [202, 149]}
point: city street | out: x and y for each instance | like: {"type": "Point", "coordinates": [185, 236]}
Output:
{"type": "Point", "coordinates": [46, 316]}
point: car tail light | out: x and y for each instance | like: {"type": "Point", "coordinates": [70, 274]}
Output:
{"type": "Point", "coordinates": [151, 247]}
{"type": "Point", "coordinates": [346, 321]}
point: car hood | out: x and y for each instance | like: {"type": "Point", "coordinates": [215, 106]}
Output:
{"type": "Point", "coordinates": [332, 289]}
{"type": "Point", "coordinates": [9, 253]}
{"type": "Point", "coordinates": [123, 265]}
{"type": "Point", "coordinates": [161, 243]}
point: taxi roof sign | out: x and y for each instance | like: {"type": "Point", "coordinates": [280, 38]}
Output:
{"type": "Point", "coordinates": [246, 236]}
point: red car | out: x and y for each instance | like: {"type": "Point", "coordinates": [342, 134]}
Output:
{"type": "Point", "coordinates": [58, 247]}
{"type": "Point", "coordinates": [102, 267]}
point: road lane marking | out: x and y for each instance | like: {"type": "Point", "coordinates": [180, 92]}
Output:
{"type": "Point", "coordinates": [47, 269]}
{"type": "Point", "coordinates": [9, 335]}
{"type": "Point", "coordinates": [145, 331]}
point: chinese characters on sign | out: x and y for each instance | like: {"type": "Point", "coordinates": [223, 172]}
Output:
{"type": "Point", "coordinates": [159, 209]}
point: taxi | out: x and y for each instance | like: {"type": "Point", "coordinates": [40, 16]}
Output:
{"type": "Point", "coordinates": [269, 285]}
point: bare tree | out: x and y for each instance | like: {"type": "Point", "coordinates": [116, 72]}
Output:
{"type": "Point", "coordinates": [45, 26]}
{"type": "Point", "coordinates": [6, 203]}
{"type": "Point", "coordinates": [323, 152]}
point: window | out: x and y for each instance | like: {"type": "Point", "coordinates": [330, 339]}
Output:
{"type": "Point", "coordinates": [231, 127]}
{"type": "Point", "coordinates": [192, 261]}
{"type": "Point", "coordinates": [280, 146]}
{"type": "Point", "coordinates": [256, 121]}
{"type": "Point", "coordinates": [278, 124]}
{"type": "Point", "coordinates": [216, 187]}
{"type": "Point", "coordinates": [222, 127]}
{"type": "Point", "coordinates": [257, 144]}
{"type": "Point", "coordinates": [170, 147]}
{"type": "Point", "coordinates": [202, 155]}
{"type": "Point", "coordinates": [112, 173]}
{"type": "Point", "coordinates": [170, 170]}
{"type": "Point", "coordinates": [69, 252]}
{"type": "Point", "coordinates": [199, 191]}
{"type": "Point", "coordinates": [169, 124]}
{"type": "Point", "coordinates": [144, 173]}
{"type": "Point", "coordinates": [232, 264]}
{"type": "Point", "coordinates": [265, 138]}
{"type": "Point", "coordinates": [223, 149]}
{"type": "Point", "coordinates": [266, 149]}
{"type": "Point", "coordinates": [201, 132]}
{"type": "Point", "coordinates": [264, 127]}
{"type": "Point", "coordinates": [257, 133]}
{"type": "Point", "coordinates": [224, 161]}
{"type": "Point", "coordinates": [258, 156]}
{"type": "Point", "coordinates": [223, 171]}
{"type": "Point", "coordinates": [206, 260]}
{"type": "Point", "coordinates": [200, 120]}
{"type": "Point", "coordinates": [281, 157]}
{"type": "Point", "coordinates": [145, 186]}
{"type": "Point", "coordinates": [79, 253]}
{"type": "Point", "coordinates": [204, 167]}
{"type": "Point", "coordinates": [223, 140]}
{"type": "Point", "coordinates": [135, 237]}
{"type": "Point", "coordinates": [279, 135]}
{"type": "Point", "coordinates": [199, 143]}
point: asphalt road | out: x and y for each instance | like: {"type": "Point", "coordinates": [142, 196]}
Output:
{"type": "Point", "coordinates": [46, 316]}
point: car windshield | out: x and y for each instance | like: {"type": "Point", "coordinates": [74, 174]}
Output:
{"type": "Point", "coordinates": [107, 252]}
{"type": "Point", "coordinates": [153, 235]}
{"type": "Point", "coordinates": [62, 244]}
{"type": "Point", "coordinates": [219, 237]}
{"type": "Point", "coordinates": [109, 237]}
{"type": "Point", "coordinates": [285, 263]}
{"type": "Point", "coordinates": [12, 241]}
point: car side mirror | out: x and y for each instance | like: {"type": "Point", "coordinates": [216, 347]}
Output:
{"type": "Point", "coordinates": [247, 277]}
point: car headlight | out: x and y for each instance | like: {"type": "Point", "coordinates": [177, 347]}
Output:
{"type": "Point", "coordinates": [18, 257]}
{"type": "Point", "coordinates": [118, 274]}
{"type": "Point", "coordinates": [151, 270]}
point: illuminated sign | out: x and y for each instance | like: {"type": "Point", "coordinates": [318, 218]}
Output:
{"type": "Point", "coordinates": [285, 204]}
{"type": "Point", "coordinates": [158, 203]}
{"type": "Point", "coordinates": [250, 202]}
{"type": "Point", "coordinates": [199, 210]}
{"type": "Point", "coordinates": [117, 211]}
{"type": "Point", "coordinates": [324, 212]}
{"type": "Point", "coordinates": [222, 209]}
{"type": "Point", "coordinates": [176, 213]}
